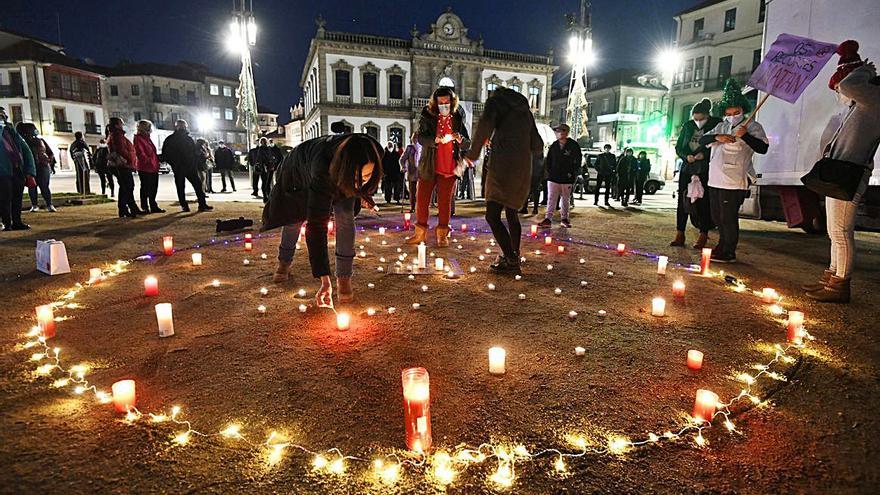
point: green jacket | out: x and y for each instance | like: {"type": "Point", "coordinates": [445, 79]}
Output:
{"type": "Point", "coordinates": [25, 157]}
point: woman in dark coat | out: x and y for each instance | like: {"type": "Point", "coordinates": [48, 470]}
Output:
{"type": "Point", "coordinates": [507, 118]}
{"type": "Point", "coordinates": [321, 175]}
{"type": "Point", "coordinates": [44, 159]}
{"type": "Point", "coordinates": [626, 167]}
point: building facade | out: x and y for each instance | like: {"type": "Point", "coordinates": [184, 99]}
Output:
{"type": "Point", "coordinates": [267, 120]}
{"type": "Point", "coordinates": [59, 94]}
{"type": "Point", "coordinates": [164, 93]}
{"type": "Point", "coordinates": [378, 85]}
{"type": "Point", "coordinates": [716, 40]}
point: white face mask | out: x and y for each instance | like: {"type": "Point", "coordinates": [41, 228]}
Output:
{"type": "Point", "coordinates": [733, 119]}
{"type": "Point", "coordinates": [843, 100]}
{"type": "Point", "coordinates": [444, 109]}
{"type": "Point", "coordinates": [700, 123]}
{"type": "Point", "coordinates": [102, 145]}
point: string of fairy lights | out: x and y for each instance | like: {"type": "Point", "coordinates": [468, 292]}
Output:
{"type": "Point", "coordinates": [442, 466]}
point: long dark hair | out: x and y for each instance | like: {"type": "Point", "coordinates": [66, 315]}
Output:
{"type": "Point", "coordinates": [353, 153]}
{"type": "Point", "coordinates": [443, 91]}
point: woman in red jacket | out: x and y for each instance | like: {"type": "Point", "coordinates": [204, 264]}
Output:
{"type": "Point", "coordinates": [122, 160]}
{"type": "Point", "coordinates": [147, 167]}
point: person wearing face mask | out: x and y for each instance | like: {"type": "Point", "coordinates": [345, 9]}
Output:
{"type": "Point", "coordinates": [44, 159]}
{"type": "Point", "coordinates": [853, 137]}
{"type": "Point", "coordinates": [409, 164]}
{"type": "Point", "coordinates": [391, 174]}
{"type": "Point", "coordinates": [694, 162]}
{"type": "Point", "coordinates": [641, 176]}
{"type": "Point", "coordinates": [321, 176]}
{"type": "Point", "coordinates": [444, 140]}
{"type": "Point", "coordinates": [562, 164]}
{"type": "Point", "coordinates": [626, 167]}
{"type": "Point", "coordinates": [100, 162]}
{"type": "Point", "coordinates": [17, 170]}
{"type": "Point", "coordinates": [606, 168]}
{"type": "Point", "coordinates": [734, 143]}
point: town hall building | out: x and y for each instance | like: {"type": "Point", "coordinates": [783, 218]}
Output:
{"type": "Point", "coordinates": [378, 85]}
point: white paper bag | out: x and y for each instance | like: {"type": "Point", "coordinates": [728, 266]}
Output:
{"type": "Point", "coordinates": [52, 257]}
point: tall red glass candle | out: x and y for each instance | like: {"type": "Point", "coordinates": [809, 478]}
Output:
{"type": "Point", "coordinates": [248, 237]}
{"type": "Point", "coordinates": [417, 408]}
{"type": "Point", "coordinates": [534, 230]}
{"type": "Point", "coordinates": [168, 245]}
{"type": "Point", "coordinates": [407, 218]}
{"type": "Point", "coordinates": [705, 258]}
{"type": "Point", "coordinates": [151, 286]}
{"type": "Point", "coordinates": [46, 319]}
{"type": "Point", "coordinates": [464, 227]}
{"type": "Point", "coordinates": [705, 404]}
{"type": "Point", "coordinates": [124, 395]}
{"type": "Point", "coordinates": [795, 327]}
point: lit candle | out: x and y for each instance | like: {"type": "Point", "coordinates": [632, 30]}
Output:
{"type": "Point", "coordinates": [695, 359]}
{"type": "Point", "coordinates": [197, 259]}
{"type": "Point", "coordinates": [330, 227]}
{"type": "Point", "coordinates": [424, 288]}
{"type": "Point", "coordinates": [572, 314]}
{"type": "Point", "coordinates": [490, 286]}
{"type": "Point", "coordinates": [438, 264]}
{"type": "Point", "coordinates": [151, 286]}
{"type": "Point", "coordinates": [584, 283]}
{"type": "Point", "coordinates": [301, 293]}
{"type": "Point", "coordinates": [497, 356]}
{"type": "Point", "coordinates": [549, 268]}
{"type": "Point", "coordinates": [795, 327]}
{"type": "Point", "coordinates": [422, 256]}
{"type": "Point", "coordinates": [264, 291]}
{"type": "Point", "coordinates": [464, 227]}
{"type": "Point", "coordinates": [164, 317]}
{"type": "Point", "coordinates": [343, 321]}
{"type": "Point", "coordinates": [371, 312]}
{"type": "Point", "coordinates": [261, 309]}
{"type": "Point", "coordinates": [560, 249]}
{"type": "Point", "coordinates": [246, 262]}
{"type": "Point", "coordinates": [215, 283]}
{"type": "Point", "coordinates": [582, 261]}
{"type": "Point", "coordinates": [381, 230]}
{"type": "Point", "coordinates": [705, 404]}
{"type": "Point", "coordinates": [302, 232]}
{"type": "Point", "coordinates": [95, 275]}
{"type": "Point", "coordinates": [705, 259]}
{"type": "Point", "coordinates": [548, 240]}
{"type": "Point", "coordinates": [124, 396]}
{"type": "Point", "coordinates": [46, 319]}
{"type": "Point", "coordinates": [168, 245]}
{"type": "Point", "coordinates": [658, 306]}
{"type": "Point", "coordinates": [416, 306]}
{"type": "Point", "coordinates": [769, 295]}
{"type": "Point", "coordinates": [678, 288]}
{"type": "Point", "coordinates": [303, 308]}
{"type": "Point", "coordinates": [602, 313]}
{"type": "Point", "coordinates": [417, 408]}
{"type": "Point", "coordinates": [621, 248]}
{"type": "Point", "coordinates": [662, 261]}
{"type": "Point", "coordinates": [264, 256]}
{"type": "Point", "coordinates": [579, 351]}
{"type": "Point", "coordinates": [248, 246]}
{"type": "Point", "coordinates": [407, 218]}
{"type": "Point", "coordinates": [522, 297]}
{"type": "Point", "coordinates": [534, 230]}
{"type": "Point", "coordinates": [557, 291]}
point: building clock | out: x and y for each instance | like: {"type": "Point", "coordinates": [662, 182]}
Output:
{"type": "Point", "coordinates": [448, 29]}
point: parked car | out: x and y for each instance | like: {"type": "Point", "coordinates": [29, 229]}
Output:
{"type": "Point", "coordinates": [652, 185]}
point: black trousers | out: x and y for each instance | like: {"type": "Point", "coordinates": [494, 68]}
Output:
{"type": "Point", "coordinates": [534, 194]}
{"type": "Point", "coordinates": [602, 179]}
{"type": "Point", "coordinates": [180, 179]}
{"type": "Point", "coordinates": [699, 211]}
{"type": "Point", "coordinates": [11, 194]}
{"type": "Point", "coordinates": [82, 180]}
{"type": "Point", "coordinates": [639, 188]}
{"type": "Point", "coordinates": [725, 204]}
{"type": "Point", "coordinates": [393, 188]}
{"type": "Point", "coordinates": [224, 173]}
{"type": "Point", "coordinates": [624, 187]}
{"type": "Point", "coordinates": [149, 189]}
{"type": "Point", "coordinates": [256, 177]}
{"type": "Point", "coordinates": [508, 237]}
{"type": "Point", "coordinates": [106, 178]}
{"type": "Point", "coordinates": [125, 197]}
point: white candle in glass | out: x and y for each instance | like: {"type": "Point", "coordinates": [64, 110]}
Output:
{"type": "Point", "coordinates": [438, 264]}
{"type": "Point", "coordinates": [422, 256]}
{"type": "Point", "coordinates": [165, 319]}
{"type": "Point", "coordinates": [197, 259]}
{"type": "Point", "coordinates": [658, 306]}
{"type": "Point", "coordinates": [497, 357]}
{"type": "Point", "coordinates": [662, 261]}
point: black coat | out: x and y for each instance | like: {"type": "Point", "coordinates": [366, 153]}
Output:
{"type": "Point", "coordinates": [427, 133]}
{"type": "Point", "coordinates": [100, 159]}
{"type": "Point", "coordinates": [643, 170]}
{"type": "Point", "coordinates": [391, 165]}
{"type": "Point", "coordinates": [606, 164]}
{"type": "Point", "coordinates": [180, 151]}
{"type": "Point", "coordinates": [303, 192]}
{"type": "Point", "coordinates": [627, 167]}
{"type": "Point", "coordinates": [563, 164]}
{"type": "Point", "coordinates": [224, 159]}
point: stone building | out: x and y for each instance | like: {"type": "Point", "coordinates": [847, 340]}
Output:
{"type": "Point", "coordinates": [379, 85]}
{"type": "Point", "coordinates": [164, 93]}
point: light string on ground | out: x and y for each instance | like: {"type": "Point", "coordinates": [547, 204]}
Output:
{"type": "Point", "coordinates": [440, 466]}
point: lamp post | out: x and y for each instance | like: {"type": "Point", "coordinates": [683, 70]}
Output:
{"type": "Point", "coordinates": [243, 35]}
{"type": "Point", "coordinates": [580, 56]}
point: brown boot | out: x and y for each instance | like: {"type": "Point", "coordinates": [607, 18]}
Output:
{"type": "Point", "coordinates": [836, 291]}
{"type": "Point", "coordinates": [419, 236]}
{"type": "Point", "coordinates": [442, 236]}
{"type": "Point", "coordinates": [701, 242]}
{"type": "Point", "coordinates": [282, 273]}
{"type": "Point", "coordinates": [344, 290]}
{"type": "Point", "coordinates": [823, 281]}
{"type": "Point", "coordinates": [679, 239]}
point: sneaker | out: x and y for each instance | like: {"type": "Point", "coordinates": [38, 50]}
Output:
{"type": "Point", "coordinates": [545, 223]}
{"type": "Point", "coordinates": [34, 208]}
{"type": "Point", "coordinates": [51, 208]}
{"type": "Point", "coordinates": [565, 223]}
{"type": "Point", "coordinates": [503, 265]}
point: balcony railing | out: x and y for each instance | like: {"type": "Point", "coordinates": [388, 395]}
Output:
{"type": "Point", "coordinates": [342, 99]}
{"type": "Point", "coordinates": [369, 100]}
{"type": "Point", "coordinates": [168, 100]}
{"type": "Point", "coordinates": [712, 83]}
{"type": "Point", "coordinates": [11, 90]}
{"type": "Point", "coordinates": [93, 129]}
{"type": "Point", "coordinates": [366, 39]}
{"type": "Point", "coordinates": [519, 57]}
{"type": "Point", "coordinates": [61, 126]}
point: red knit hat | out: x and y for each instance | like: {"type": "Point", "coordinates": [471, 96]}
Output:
{"type": "Point", "coordinates": [849, 61]}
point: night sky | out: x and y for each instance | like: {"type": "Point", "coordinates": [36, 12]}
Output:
{"type": "Point", "coordinates": [625, 32]}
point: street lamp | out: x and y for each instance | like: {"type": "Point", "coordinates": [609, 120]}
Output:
{"type": "Point", "coordinates": [205, 123]}
{"type": "Point", "coordinates": [242, 36]}
{"type": "Point", "coordinates": [667, 62]}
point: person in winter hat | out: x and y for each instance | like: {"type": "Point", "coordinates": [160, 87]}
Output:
{"type": "Point", "coordinates": [851, 136]}
{"type": "Point", "coordinates": [733, 143]}
{"type": "Point", "coordinates": [695, 162]}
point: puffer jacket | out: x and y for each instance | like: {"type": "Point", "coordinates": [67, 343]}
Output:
{"type": "Point", "coordinates": [147, 159]}
{"type": "Point", "coordinates": [118, 143]}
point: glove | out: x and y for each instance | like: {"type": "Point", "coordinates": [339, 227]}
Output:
{"type": "Point", "coordinates": [29, 181]}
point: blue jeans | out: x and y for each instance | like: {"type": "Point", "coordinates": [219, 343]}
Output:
{"type": "Point", "coordinates": [343, 213]}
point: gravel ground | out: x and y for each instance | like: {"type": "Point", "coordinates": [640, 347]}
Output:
{"type": "Point", "coordinates": [294, 373]}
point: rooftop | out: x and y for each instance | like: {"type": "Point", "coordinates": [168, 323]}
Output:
{"type": "Point", "coordinates": [188, 71]}
{"type": "Point", "coordinates": [699, 6]}
{"type": "Point", "coordinates": [29, 49]}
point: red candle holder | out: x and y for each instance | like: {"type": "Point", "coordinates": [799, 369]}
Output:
{"type": "Point", "coordinates": [548, 241]}
{"type": "Point", "coordinates": [46, 319]}
{"type": "Point", "coordinates": [417, 408]}
{"type": "Point", "coordinates": [705, 259]}
{"type": "Point", "coordinates": [407, 219]}
{"type": "Point", "coordinates": [534, 230]}
{"type": "Point", "coordinates": [168, 245]}
{"type": "Point", "coordinates": [704, 405]}
{"type": "Point", "coordinates": [151, 286]}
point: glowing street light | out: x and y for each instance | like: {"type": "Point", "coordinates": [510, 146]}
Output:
{"type": "Point", "coordinates": [205, 122]}
{"type": "Point", "coordinates": [667, 62]}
